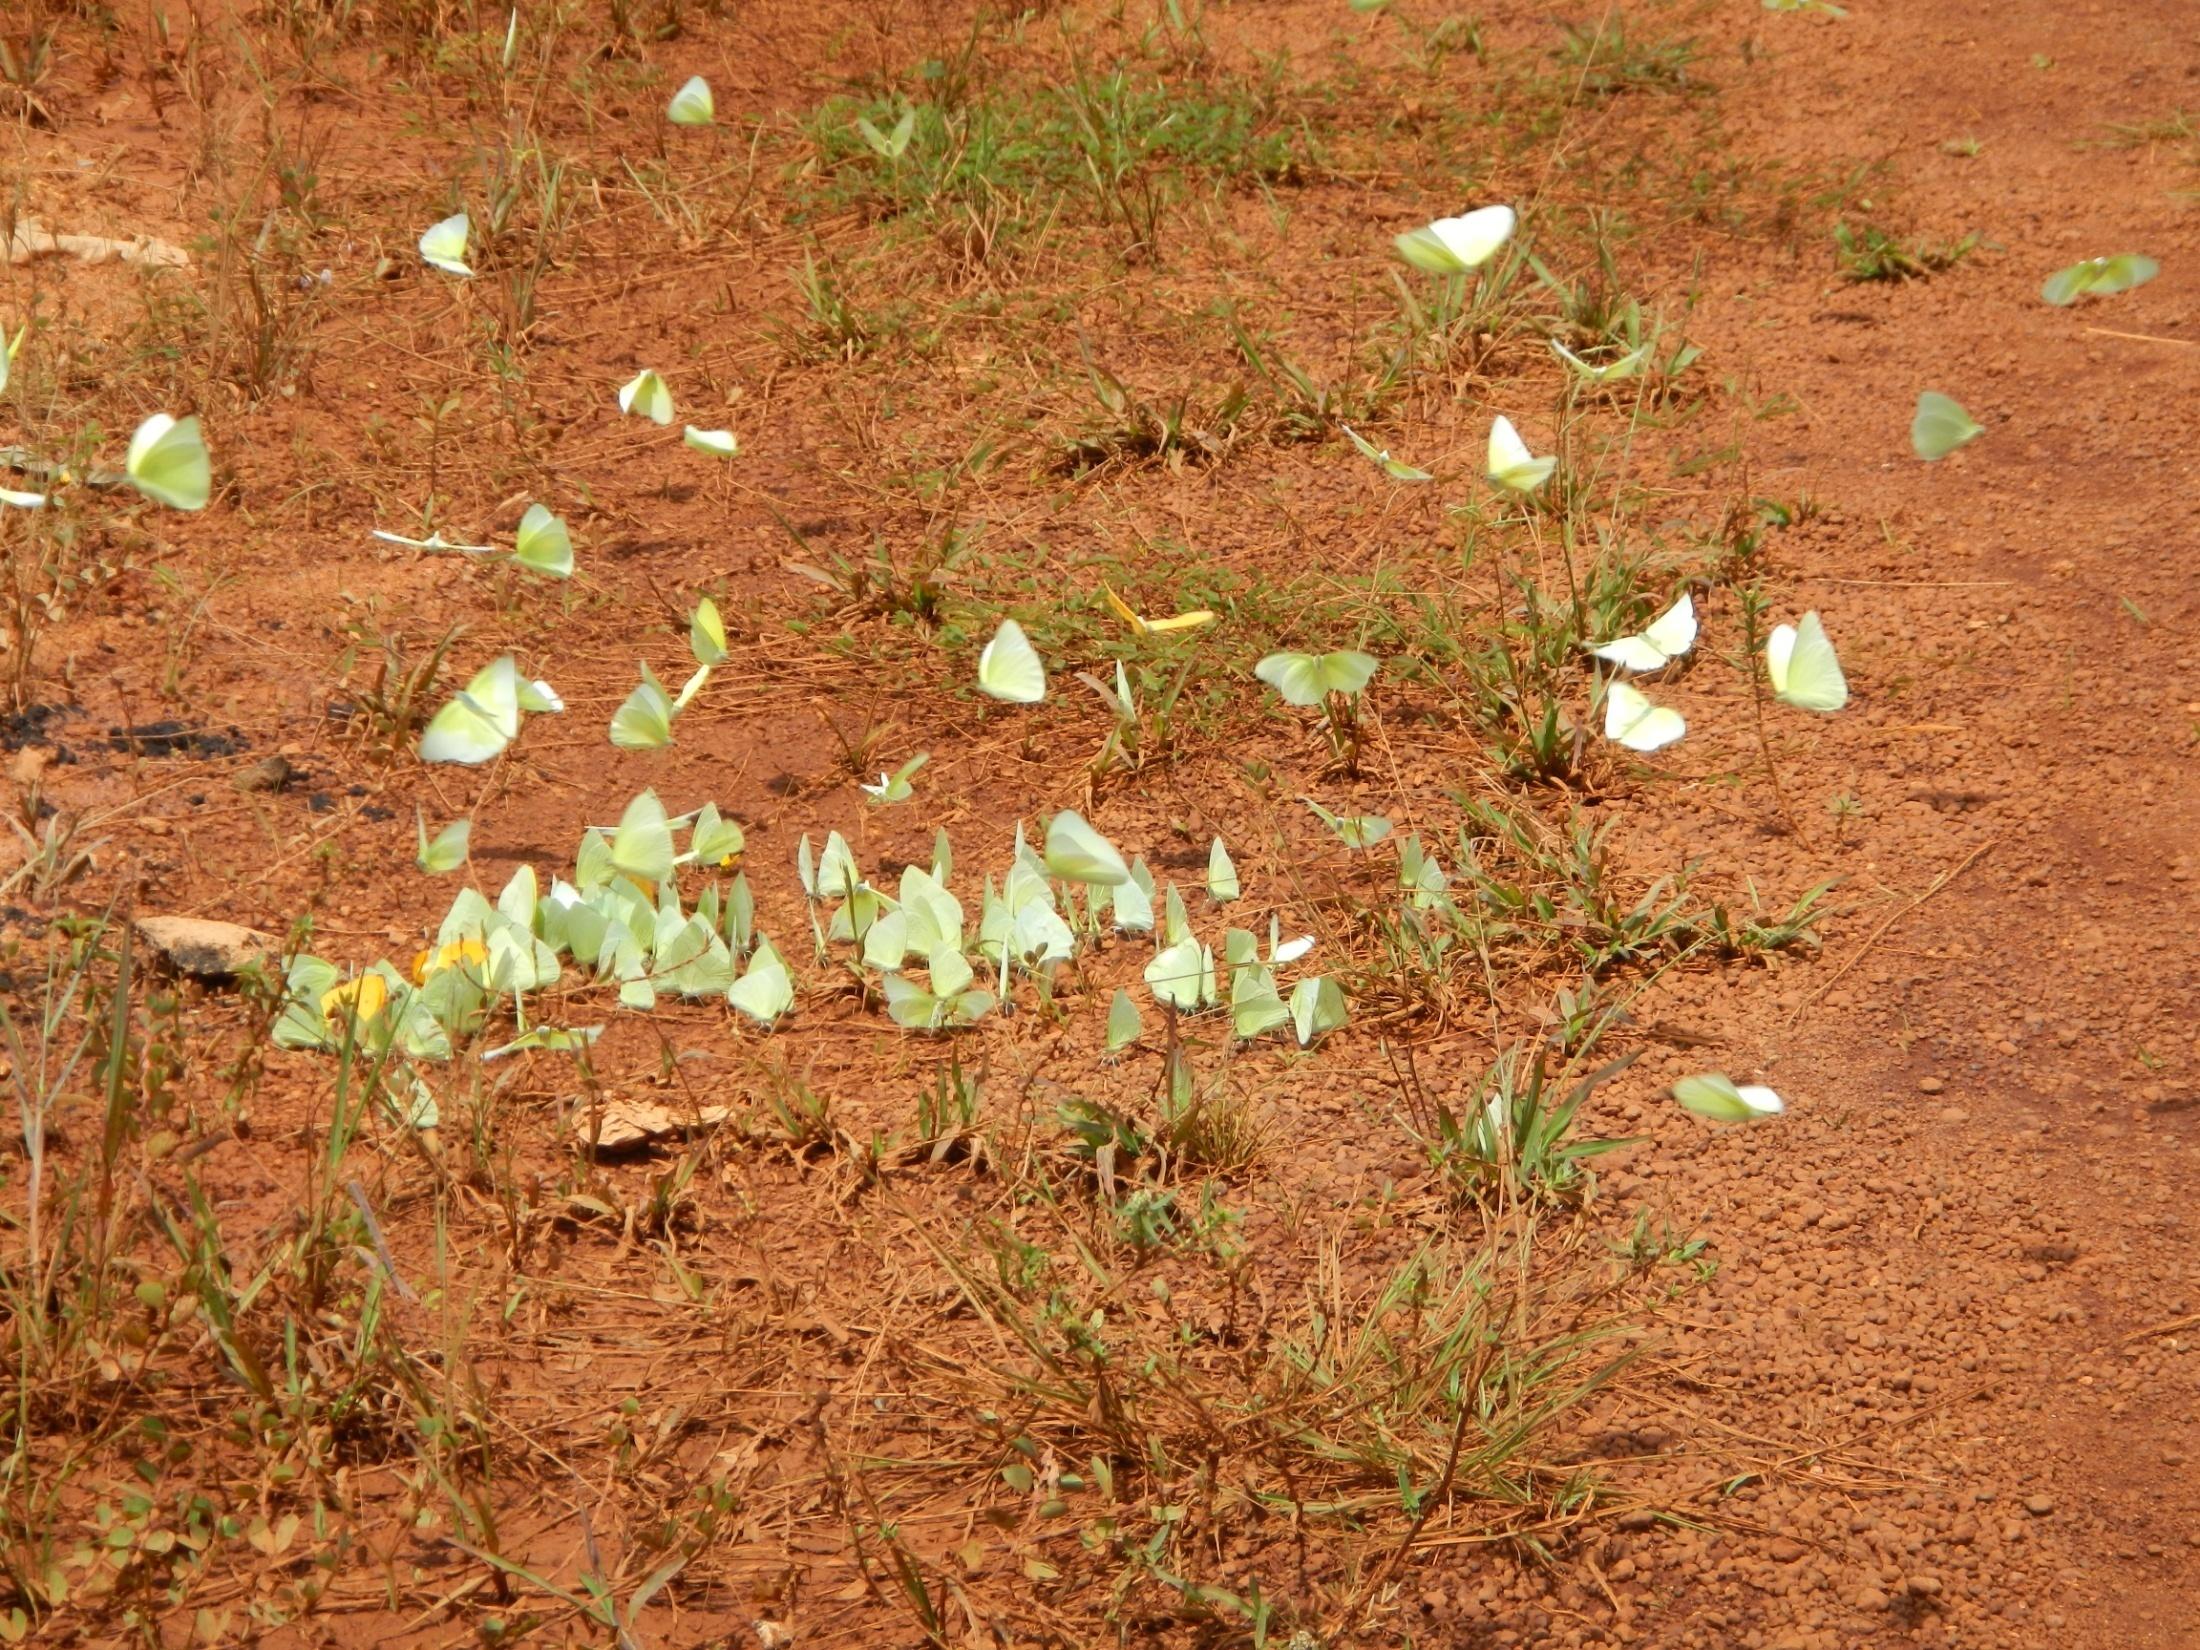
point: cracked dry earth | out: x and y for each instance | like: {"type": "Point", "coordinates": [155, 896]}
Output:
{"type": "Point", "coordinates": [1949, 1372]}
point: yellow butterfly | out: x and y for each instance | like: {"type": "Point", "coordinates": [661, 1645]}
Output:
{"type": "Point", "coordinates": [1154, 627]}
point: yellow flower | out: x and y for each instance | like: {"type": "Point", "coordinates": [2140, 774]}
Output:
{"type": "Point", "coordinates": [458, 953]}
{"type": "Point", "coordinates": [363, 998]}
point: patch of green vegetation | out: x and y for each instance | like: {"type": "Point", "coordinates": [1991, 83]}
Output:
{"type": "Point", "coordinates": [1869, 253]}
{"type": "Point", "coordinates": [1117, 144]}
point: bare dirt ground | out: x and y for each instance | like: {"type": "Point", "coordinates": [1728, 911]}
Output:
{"type": "Point", "coordinates": [869, 1348]}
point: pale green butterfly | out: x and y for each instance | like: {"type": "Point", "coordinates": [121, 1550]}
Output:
{"type": "Point", "coordinates": [1456, 246]}
{"type": "Point", "coordinates": [1824, 8]}
{"type": "Point", "coordinates": [2104, 275]}
{"type": "Point", "coordinates": [889, 145]}
{"type": "Point", "coordinates": [435, 544]}
{"type": "Point", "coordinates": [692, 104]}
{"type": "Point", "coordinates": [7, 354]}
{"type": "Point", "coordinates": [1182, 975]}
{"type": "Point", "coordinates": [544, 545]}
{"type": "Point", "coordinates": [642, 845]}
{"type": "Point", "coordinates": [1222, 877]}
{"type": "Point", "coordinates": [707, 634]}
{"type": "Point", "coordinates": [1317, 1008]}
{"type": "Point", "coordinates": [1395, 468]}
{"type": "Point", "coordinates": [22, 501]}
{"type": "Point", "coordinates": [1804, 670]}
{"type": "Point", "coordinates": [765, 989]}
{"type": "Point", "coordinates": [444, 244]}
{"type": "Point", "coordinates": [1717, 1096]}
{"type": "Point", "coordinates": [895, 787]}
{"type": "Point", "coordinates": [1255, 1007]}
{"type": "Point", "coordinates": [1009, 667]}
{"type": "Point", "coordinates": [479, 721]}
{"type": "Point", "coordinates": [1306, 680]}
{"type": "Point", "coordinates": [539, 698]}
{"type": "Point", "coordinates": [1941, 426]}
{"type": "Point", "coordinates": [645, 395]}
{"type": "Point", "coordinates": [1632, 720]}
{"type": "Point", "coordinates": [718, 443]}
{"type": "Point", "coordinates": [511, 55]}
{"type": "Point", "coordinates": [1664, 639]}
{"type": "Point", "coordinates": [1076, 852]}
{"type": "Point", "coordinates": [1125, 1023]}
{"type": "Point", "coordinates": [546, 1040]}
{"type": "Point", "coordinates": [167, 462]}
{"type": "Point", "coordinates": [1511, 465]}
{"type": "Point", "coordinates": [1363, 831]}
{"type": "Point", "coordinates": [448, 851]}
{"type": "Point", "coordinates": [1626, 366]}
{"type": "Point", "coordinates": [644, 722]}
{"type": "Point", "coordinates": [714, 840]}
{"type": "Point", "coordinates": [912, 1007]}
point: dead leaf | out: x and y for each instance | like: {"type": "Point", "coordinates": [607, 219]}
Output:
{"type": "Point", "coordinates": [627, 1124]}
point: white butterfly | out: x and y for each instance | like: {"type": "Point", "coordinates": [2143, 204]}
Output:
{"type": "Point", "coordinates": [718, 443]}
{"type": "Point", "coordinates": [1457, 246]}
{"type": "Point", "coordinates": [1668, 636]}
{"type": "Point", "coordinates": [1009, 667]}
{"type": "Point", "coordinates": [1805, 673]}
{"type": "Point", "coordinates": [1511, 465]}
{"type": "Point", "coordinates": [1632, 720]}
{"type": "Point", "coordinates": [479, 721]}
{"type": "Point", "coordinates": [1608, 372]}
{"type": "Point", "coordinates": [435, 543]}
{"type": "Point", "coordinates": [444, 244]}
{"type": "Point", "coordinates": [646, 396]}
{"type": "Point", "coordinates": [692, 104]}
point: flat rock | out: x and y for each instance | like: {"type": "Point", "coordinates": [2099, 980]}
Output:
{"type": "Point", "coordinates": [627, 1124]}
{"type": "Point", "coordinates": [203, 948]}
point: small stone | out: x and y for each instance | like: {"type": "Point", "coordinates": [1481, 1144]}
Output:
{"type": "Point", "coordinates": [1870, 1598]}
{"type": "Point", "coordinates": [1954, 1114]}
{"type": "Point", "coordinates": [1922, 1586]}
{"type": "Point", "coordinates": [1636, 1518]}
{"type": "Point", "coordinates": [270, 773]}
{"type": "Point", "coordinates": [1930, 1085]}
{"type": "Point", "coordinates": [2039, 1506]}
{"type": "Point", "coordinates": [204, 949]}
{"type": "Point", "coordinates": [1784, 1551]}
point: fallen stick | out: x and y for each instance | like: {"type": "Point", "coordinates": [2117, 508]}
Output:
{"type": "Point", "coordinates": [1893, 917]}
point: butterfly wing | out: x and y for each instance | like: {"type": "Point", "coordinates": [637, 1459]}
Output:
{"type": "Point", "coordinates": [1009, 667]}
{"type": "Point", "coordinates": [1296, 676]}
{"type": "Point", "coordinates": [692, 104]}
{"type": "Point", "coordinates": [1511, 465]}
{"type": "Point", "coordinates": [1345, 671]}
{"type": "Point", "coordinates": [1779, 649]}
{"type": "Point", "coordinates": [443, 245]}
{"type": "Point", "coordinates": [1630, 719]}
{"type": "Point", "coordinates": [1941, 426]}
{"type": "Point", "coordinates": [1812, 678]}
{"type": "Point", "coordinates": [1663, 640]}
{"type": "Point", "coordinates": [642, 845]}
{"type": "Point", "coordinates": [644, 722]}
{"type": "Point", "coordinates": [1473, 238]}
{"type": "Point", "coordinates": [1078, 853]}
{"type": "Point", "coordinates": [167, 462]}
{"type": "Point", "coordinates": [1637, 653]}
{"type": "Point", "coordinates": [462, 732]}
{"type": "Point", "coordinates": [544, 545]}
